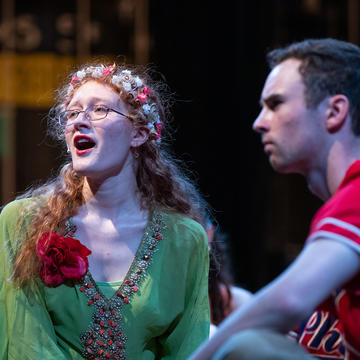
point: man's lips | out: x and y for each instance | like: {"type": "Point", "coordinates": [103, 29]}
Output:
{"type": "Point", "coordinates": [83, 144]}
{"type": "Point", "coordinates": [267, 145]}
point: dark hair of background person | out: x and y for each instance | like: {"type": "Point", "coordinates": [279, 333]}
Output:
{"type": "Point", "coordinates": [219, 277]}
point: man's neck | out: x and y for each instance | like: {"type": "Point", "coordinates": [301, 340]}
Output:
{"type": "Point", "coordinates": [324, 182]}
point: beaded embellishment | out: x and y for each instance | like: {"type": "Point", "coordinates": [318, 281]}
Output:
{"type": "Point", "coordinates": [104, 338]}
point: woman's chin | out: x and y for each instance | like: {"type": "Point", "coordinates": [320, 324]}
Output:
{"type": "Point", "coordinates": [82, 170]}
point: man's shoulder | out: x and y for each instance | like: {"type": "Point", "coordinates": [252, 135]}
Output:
{"type": "Point", "coordinates": [339, 218]}
{"type": "Point", "coordinates": [345, 203]}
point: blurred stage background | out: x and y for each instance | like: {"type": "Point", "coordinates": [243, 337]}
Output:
{"type": "Point", "coordinates": [213, 58]}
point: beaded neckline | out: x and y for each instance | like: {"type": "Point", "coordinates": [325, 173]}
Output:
{"type": "Point", "coordinates": [105, 337]}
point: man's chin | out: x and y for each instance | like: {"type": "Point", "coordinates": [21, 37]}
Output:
{"type": "Point", "coordinates": [279, 166]}
{"type": "Point", "coordinates": [285, 168]}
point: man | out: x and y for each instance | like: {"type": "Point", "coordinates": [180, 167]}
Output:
{"type": "Point", "coordinates": [309, 124]}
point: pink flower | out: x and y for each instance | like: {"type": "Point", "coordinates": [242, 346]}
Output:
{"type": "Point", "coordinates": [146, 90]}
{"type": "Point", "coordinates": [108, 70]}
{"type": "Point", "coordinates": [141, 97]}
{"type": "Point", "coordinates": [74, 79]}
{"type": "Point", "coordinates": [158, 128]}
{"type": "Point", "coordinates": [62, 258]}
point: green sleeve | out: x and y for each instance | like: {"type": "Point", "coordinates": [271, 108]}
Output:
{"type": "Point", "coordinates": [26, 330]}
{"type": "Point", "coordinates": [193, 326]}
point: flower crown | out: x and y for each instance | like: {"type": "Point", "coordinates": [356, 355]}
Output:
{"type": "Point", "coordinates": [133, 85]}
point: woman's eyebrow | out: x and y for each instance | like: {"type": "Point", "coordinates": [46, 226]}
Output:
{"type": "Point", "coordinates": [92, 101]}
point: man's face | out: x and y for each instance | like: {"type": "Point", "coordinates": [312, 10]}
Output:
{"type": "Point", "coordinates": [290, 132]}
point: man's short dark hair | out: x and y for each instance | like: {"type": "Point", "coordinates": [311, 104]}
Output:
{"type": "Point", "coordinates": [328, 67]}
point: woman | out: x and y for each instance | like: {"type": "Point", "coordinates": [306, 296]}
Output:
{"type": "Point", "coordinates": [108, 260]}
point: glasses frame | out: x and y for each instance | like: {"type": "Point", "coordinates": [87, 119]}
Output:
{"type": "Point", "coordinates": [108, 109]}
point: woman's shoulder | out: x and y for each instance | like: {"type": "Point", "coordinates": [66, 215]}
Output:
{"type": "Point", "coordinates": [183, 223]}
{"type": "Point", "coordinates": [184, 229]}
{"type": "Point", "coordinates": [12, 219]}
{"type": "Point", "coordinates": [14, 208]}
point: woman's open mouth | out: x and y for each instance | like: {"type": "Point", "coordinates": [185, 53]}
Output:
{"type": "Point", "coordinates": [83, 144]}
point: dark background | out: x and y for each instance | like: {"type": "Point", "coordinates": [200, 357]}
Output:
{"type": "Point", "coordinates": [213, 58]}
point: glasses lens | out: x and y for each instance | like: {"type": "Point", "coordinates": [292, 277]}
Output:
{"type": "Point", "coordinates": [62, 118]}
{"type": "Point", "coordinates": [71, 115]}
{"type": "Point", "coordinates": [68, 116]}
{"type": "Point", "coordinates": [99, 112]}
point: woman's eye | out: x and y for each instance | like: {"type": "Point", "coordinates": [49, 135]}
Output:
{"type": "Point", "coordinates": [100, 109]}
{"type": "Point", "coordinates": [72, 114]}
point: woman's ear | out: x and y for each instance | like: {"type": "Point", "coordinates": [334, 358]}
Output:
{"type": "Point", "coordinates": [140, 136]}
{"type": "Point", "coordinates": [337, 112]}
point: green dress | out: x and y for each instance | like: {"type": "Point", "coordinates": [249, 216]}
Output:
{"type": "Point", "coordinates": [160, 311]}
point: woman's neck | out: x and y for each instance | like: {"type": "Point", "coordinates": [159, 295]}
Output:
{"type": "Point", "coordinates": [111, 198]}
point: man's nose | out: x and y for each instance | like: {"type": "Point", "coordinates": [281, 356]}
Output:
{"type": "Point", "coordinates": [261, 124]}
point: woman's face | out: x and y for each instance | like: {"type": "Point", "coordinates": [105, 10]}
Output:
{"type": "Point", "coordinates": [101, 148]}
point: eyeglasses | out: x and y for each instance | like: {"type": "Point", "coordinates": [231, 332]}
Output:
{"type": "Point", "coordinates": [94, 113]}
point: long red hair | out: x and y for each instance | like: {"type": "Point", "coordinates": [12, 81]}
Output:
{"type": "Point", "coordinates": [162, 181]}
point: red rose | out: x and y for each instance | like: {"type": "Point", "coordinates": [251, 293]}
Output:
{"type": "Point", "coordinates": [63, 258]}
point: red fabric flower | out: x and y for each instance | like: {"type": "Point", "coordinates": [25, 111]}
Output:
{"type": "Point", "coordinates": [146, 90]}
{"type": "Point", "coordinates": [63, 258]}
{"type": "Point", "coordinates": [141, 97]}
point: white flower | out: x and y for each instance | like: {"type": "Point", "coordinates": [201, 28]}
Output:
{"type": "Point", "coordinates": [126, 86]}
{"type": "Point", "coordinates": [116, 79]}
{"type": "Point", "coordinates": [81, 74]}
{"type": "Point", "coordinates": [146, 109]}
{"type": "Point", "coordinates": [157, 117]}
{"type": "Point", "coordinates": [97, 72]}
{"type": "Point", "coordinates": [138, 81]}
{"type": "Point", "coordinates": [150, 126]}
{"type": "Point", "coordinates": [127, 72]}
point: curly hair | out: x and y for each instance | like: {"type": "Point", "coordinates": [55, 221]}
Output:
{"type": "Point", "coordinates": [162, 181]}
{"type": "Point", "coordinates": [328, 67]}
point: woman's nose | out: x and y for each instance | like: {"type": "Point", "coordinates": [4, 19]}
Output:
{"type": "Point", "coordinates": [82, 120]}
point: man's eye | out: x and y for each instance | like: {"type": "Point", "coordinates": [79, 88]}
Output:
{"type": "Point", "coordinates": [274, 104]}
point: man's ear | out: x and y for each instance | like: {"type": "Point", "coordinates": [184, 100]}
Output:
{"type": "Point", "coordinates": [140, 135]}
{"type": "Point", "coordinates": [337, 112]}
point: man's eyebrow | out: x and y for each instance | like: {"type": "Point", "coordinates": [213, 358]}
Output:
{"type": "Point", "coordinates": [270, 99]}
